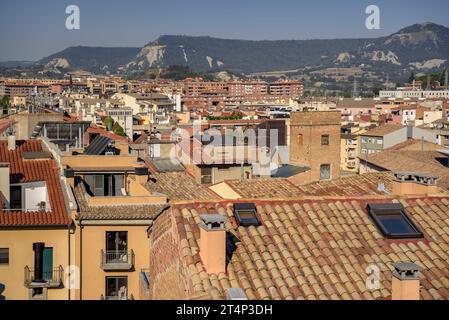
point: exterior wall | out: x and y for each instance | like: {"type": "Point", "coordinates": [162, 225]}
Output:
{"type": "Point", "coordinates": [21, 254]}
{"type": "Point", "coordinates": [93, 241]}
{"type": "Point", "coordinates": [168, 273]}
{"type": "Point", "coordinates": [26, 123]}
{"type": "Point", "coordinates": [309, 151]}
{"type": "Point", "coordinates": [231, 173]}
{"type": "Point", "coordinates": [431, 116]}
{"type": "Point", "coordinates": [393, 138]}
{"type": "Point", "coordinates": [370, 144]}
{"type": "Point", "coordinates": [427, 135]}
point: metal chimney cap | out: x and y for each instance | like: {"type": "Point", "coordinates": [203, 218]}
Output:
{"type": "Point", "coordinates": [406, 270]}
{"type": "Point", "coordinates": [213, 221]}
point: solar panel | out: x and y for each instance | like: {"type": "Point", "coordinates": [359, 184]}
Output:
{"type": "Point", "coordinates": [98, 146]}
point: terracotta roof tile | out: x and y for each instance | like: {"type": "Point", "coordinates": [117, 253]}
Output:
{"type": "Point", "coordinates": [22, 171]}
{"type": "Point", "coordinates": [304, 261]}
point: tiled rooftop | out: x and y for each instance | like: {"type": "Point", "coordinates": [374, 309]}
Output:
{"type": "Point", "coordinates": [114, 212]}
{"type": "Point", "coordinates": [430, 162]}
{"type": "Point", "coordinates": [317, 249]}
{"type": "Point", "coordinates": [29, 171]}
{"type": "Point", "coordinates": [179, 186]}
{"type": "Point", "coordinates": [365, 184]}
{"type": "Point", "coordinates": [382, 130]}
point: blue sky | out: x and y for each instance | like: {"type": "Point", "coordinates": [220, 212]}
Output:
{"type": "Point", "coordinates": [31, 29]}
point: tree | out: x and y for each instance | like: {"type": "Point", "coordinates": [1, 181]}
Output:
{"type": "Point", "coordinates": [108, 123]}
{"type": "Point", "coordinates": [5, 101]}
{"type": "Point", "coordinates": [118, 130]}
{"type": "Point", "coordinates": [411, 78]}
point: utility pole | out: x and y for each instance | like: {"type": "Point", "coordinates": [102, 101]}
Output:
{"type": "Point", "coordinates": [445, 81]}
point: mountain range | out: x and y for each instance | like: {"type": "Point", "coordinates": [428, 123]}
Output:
{"type": "Point", "coordinates": [417, 48]}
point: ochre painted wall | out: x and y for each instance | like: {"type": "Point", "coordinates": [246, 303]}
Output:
{"type": "Point", "coordinates": [21, 254]}
{"type": "Point", "coordinates": [93, 241]}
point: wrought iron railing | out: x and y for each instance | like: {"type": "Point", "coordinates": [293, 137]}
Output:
{"type": "Point", "coordinates": [122, 297]}
{"type": "Point", "coordinates": [53, 277]}
{"type": "Point", "coordinates": [116, 259]}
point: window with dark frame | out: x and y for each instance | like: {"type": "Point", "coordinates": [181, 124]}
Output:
{"type": "Point", "coordinates": [324, 139]}
{"type": "Point", "coordinates": [4, 256]}
{"type": "Point", "coordinates": [393, 222]}
{"type": "Point", "coordinates": [245, 214]}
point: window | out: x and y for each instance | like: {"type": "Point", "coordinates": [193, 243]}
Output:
{"type": "Point", "coordinates": [245, 214]}
{"type": "Point", "coordinates": [206, 175]}
{"type": "Point", "coordinates": [117, 287]}
{"type": "Point", "coordinates": [16, 197]}
{"type": "Point", "coordinates": [325, 140]}
{"type": "Point", "coordinates": [325, 172]}
{"type": "Point", "coordinates": [300, 139]}
{"type": "Point", "coordinates": [4, 256]}
{"type": "Point", "coordinates": [116, 240]}
{"type": "Point", "coordinates": [393, 222]}
{"type": "Point", "coordinates": [105, 184]}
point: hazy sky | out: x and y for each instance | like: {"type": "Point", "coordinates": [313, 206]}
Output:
{"type": "Point", "coordinates": [32, 29]}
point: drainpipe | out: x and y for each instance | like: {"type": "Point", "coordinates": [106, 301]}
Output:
{"type": "Point", "coordinates": [81, 260]}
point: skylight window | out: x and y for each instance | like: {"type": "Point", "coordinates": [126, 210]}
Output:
{"type": "Point", "coordinates": [245, 214]}
{"type": "Point", "coordinates": [393, 222]}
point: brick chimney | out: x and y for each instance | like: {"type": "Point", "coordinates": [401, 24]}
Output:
{"type": "Point", "coordinates": [11, 142]}
{"type": "Point", "coordinates": [213, 243]}
{"type": "Point", "coordinates": [405, 281]}
{"type": "Point", "coordinates": [414, 183]}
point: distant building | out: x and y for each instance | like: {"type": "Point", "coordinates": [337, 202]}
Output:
{"type": "Point", "coordinates": [315, 142]}
{"type": "Point", "coordinates": [124, 117]}
{"type": "Point", "coordinates": [414, 94]}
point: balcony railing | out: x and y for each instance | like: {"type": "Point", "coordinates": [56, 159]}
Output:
{"type": "Point", "coordinates": [117, 260]}
{"type": "Point", "coordinates": [53, 278]}
{"type": "Point", "coordinates": [117, 297]}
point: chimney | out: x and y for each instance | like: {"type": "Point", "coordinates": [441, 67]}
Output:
{"type": "Point", "coordinates": [413, 183]}
{"type": "Point", "coordinates": [4, 185]}
{"type": "Point", "coordinates": [141, 175]}
{"type": "Point", "coordinates": [213, 243]}
{"type": "Point", "coordinates": [38, 248]}
{"type": "Point", "coordinates": [11, 142]}
{"type": "Point", "coordinates": [405, 281]}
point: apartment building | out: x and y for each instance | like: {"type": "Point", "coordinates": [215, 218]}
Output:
{"type": "Point", "coordinates": [114, 212]}
{"type": "Point", "coordinates": [289, 88]}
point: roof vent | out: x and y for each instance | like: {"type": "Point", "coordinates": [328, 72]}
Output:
{"type": "Point", "coordinates": [406, 182]}
{"type": "Point", "coordinates": [213, 221]}
{"type": "Point", "coordinates": [245, 214]}
{"type": "Point", "coordinates": [406, 270]}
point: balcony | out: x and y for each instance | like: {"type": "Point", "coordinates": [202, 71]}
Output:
{"type": "Point", "coordinates": [117, 260]}
{"type": "Point", "coordinates": [117, 297]}
{"type": "Point", "coordinates": [53, 278]}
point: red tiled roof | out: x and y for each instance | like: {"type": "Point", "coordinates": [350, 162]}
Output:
{"type": "Point", "coordinates": [28, 171]}
{"type": "Point", "coordinates": [316, 249]}
{"type": "Point", "coordinates": [103, 132]}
